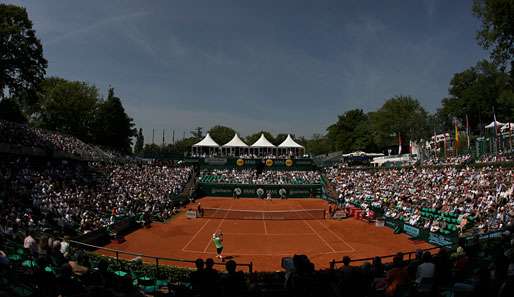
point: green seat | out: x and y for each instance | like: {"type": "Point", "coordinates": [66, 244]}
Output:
{"type": "Point", "coordinates": [14, 257]}
{"type": "Point", "coordinates": [120, 273]}
{"type": "Point", "coordinates": [29, 264]}
{"type": "Point", "coordinates": [49, 269]}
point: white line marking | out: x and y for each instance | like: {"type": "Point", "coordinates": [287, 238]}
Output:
{"type": "Point", "coordinates": [265, 228]}
{"type": "Point", "coordinates": [196, 234]}
{"type": "Point", "coordinates": [319, 236]}
{"type": "Point", "coordinates": [219, 226]}
{"type": "Point", "coordinates": [285, 253]}
{"type": "Point", "coordinates": [337, 235]}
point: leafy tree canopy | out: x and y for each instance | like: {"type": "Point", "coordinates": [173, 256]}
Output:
{"type": "Point", "coordinates": [497, 31]}
{"type": "Point", "coordinates": [474, 92]}
{"type": "Point", "coordinates": [21, 53]}
{"type": "Point", "coordinates": [401, 114]}
{"type": "Point", "coordinates": [221, 134]}
{"type": "Point", "coordinates": [10, 111]}
{"type": "Point", "coordinates": [112, 127]}
{"type": "Point", "coordinates": [351, 132]}
{"type": "Point", "coordinates": [68, 107]}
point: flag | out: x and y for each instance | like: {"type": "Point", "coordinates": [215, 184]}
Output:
{"type": "Point", "coordinates": [510, 136]}
{"type": "Point", "coordinates": [399, 144]}
{"type": "Point", "coordinates": [495, 132]}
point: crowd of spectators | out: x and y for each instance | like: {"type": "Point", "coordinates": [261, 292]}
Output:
{"type": "Point", "coordinates": [253, 177]}
{"type": "Point", "coordinates": [84, 196]}
{"type": "Point", "coordinates": [25, 136]}
{"type": "Point", "coordinates": [482, 194]}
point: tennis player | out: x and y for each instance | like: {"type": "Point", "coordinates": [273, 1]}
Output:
{"type": "Point", "coordinates": [217, 238]}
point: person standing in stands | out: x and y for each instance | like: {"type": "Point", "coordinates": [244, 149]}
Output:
{"type": "Point", "coordinates": [217, 238]}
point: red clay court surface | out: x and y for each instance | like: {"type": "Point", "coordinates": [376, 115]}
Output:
{"type": "Point", "coordinates": [265, 242]}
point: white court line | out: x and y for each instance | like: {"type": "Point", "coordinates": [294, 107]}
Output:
{"type": "Point", "coordinates": [196, 234]}
{"type": "Point", "coordinates": [270, 234]}
{"type": "Point", "coordinates": [337, 235]}
{"type": "Point", "coordinates": [265, 228]}
{"type": "Point", "coordinates": [285, 253]}
{"type": "Point", "coordinates": [219, 226]}
{"type": "Point", "coordinates": [320, 237]}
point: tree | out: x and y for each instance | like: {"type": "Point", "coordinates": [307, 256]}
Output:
{"type": "Point", "coordinates": [474, 92]}
{"type": "Point", "coordinates": [10, 111]}
{"type": "Point", "coordinates": [140, 142]}
{"type": "Point", "coordinates": [112, 127]}
{"type": "Point", "coordinates": [497, 32]}
{"type": "Point", "coordinates": [221, 134]}
{"type": "Point", "coordinates": [399, 115]}
{"type": "Point", "coordinates": [68, 107]}
{"type": "Point", "coordinates": [317, 145]}
{"type": "Point", "coordinates": [351, 132]}
{"type": "Point", "coordinates": [279, 138]}
{"type": "Point", "coordinates": [250, 139]}
{"type": "Point", "coordinates": [22, 65]}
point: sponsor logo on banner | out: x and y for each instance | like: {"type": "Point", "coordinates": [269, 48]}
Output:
{"type": "Point", "coordinates": [237, 191]}
{"type": "Point", "coordinates": [411, 230]}
{"type": "Point", "coordinates": [437, 239]}
{"type": "Point", "coordinates": [391, 223]}
{"type": "Point", "coordinates": [260, 192]}
{"type": "Point", "coordinates": [240, 162]}
{"type": "Point", "coordinates": [289, 162]}
{"type": "Point", "coordinates": [216, 161]}
{"type": "Point", "coordinates": [215, 191]}
{"type": "Point", "coordinates": [269, 162]}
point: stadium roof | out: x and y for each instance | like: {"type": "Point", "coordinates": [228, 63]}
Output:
{"type": "Point", "coordinates": [289, 142]}
{"type": "Point", "coordinates": [235, 142]}
{"type": "Point", "coordinates": [262, 142]}
{"type": "Point", "coordinates": [207, 141]}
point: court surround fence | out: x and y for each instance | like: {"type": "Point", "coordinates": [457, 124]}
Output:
{"type": "Point", "coordinates": [467, 240]}
{"type": "Point", "coordinates": [148, 259]}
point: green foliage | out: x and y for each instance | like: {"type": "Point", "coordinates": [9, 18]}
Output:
{"type": "Point", "coordinates": [474, 92]}
{"type": "Point", "coordinates": [140, 142]}
{"type": "Point", "coordinates": [68, 107]}
{"type": "Point", "coordinates": [497, 31]}
{"type": "Point", "coordinates": [351, 132]}
{"type": "Point", "coordinates": [250, 139]}
{"type": "Point", "coordinates": [112, 127]}
{"type": "Point", "coordinates": [221, 134]}
{"type": "Point", "coordinates": [10, 111]}
{"type": "Point", "coordinates": [401, 114]}
{"type": "Point", "coordinates": [21, 53]}
{"type": "Point", "coordinates": [279, 138]}
{"type": "Point", "coordinates": [317, 145]}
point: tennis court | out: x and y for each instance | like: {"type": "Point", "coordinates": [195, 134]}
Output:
{"type": "Point", "coordinates": [266, 241]}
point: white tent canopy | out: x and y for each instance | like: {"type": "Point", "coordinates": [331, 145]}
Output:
{"type": "Point", "coordinates": [492, 124]}
{"type": "Point", "coordinates": [507, 126]}
{"type": "Point", "coordinates": [235, 142]}
{"type": "Point", "coordinates": [289, 143]}
{"type": "Point", "coordinates": [207, 141]}
{"type": "Point", "coordinates": [262, 142]}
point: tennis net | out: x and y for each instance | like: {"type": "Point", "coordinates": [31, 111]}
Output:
{"type": "Point", "coordinates": [234, 214]}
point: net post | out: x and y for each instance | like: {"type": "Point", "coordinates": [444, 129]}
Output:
{"type": "Point", "coordinates": [332, 264]}
{"type": "Point", "coordinates": [250, 267]}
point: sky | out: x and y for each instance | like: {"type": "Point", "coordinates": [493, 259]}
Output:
{"type": "Point", "coordinates": [281, 66]}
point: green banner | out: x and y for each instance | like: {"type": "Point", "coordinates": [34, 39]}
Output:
{"type": "Point", "coordinates": [277, 191]}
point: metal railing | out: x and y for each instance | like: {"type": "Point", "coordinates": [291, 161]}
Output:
{"type": "Point", "coordinates": [485, 236]}
{"type": "Point", "coordinates": [154, 259]}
